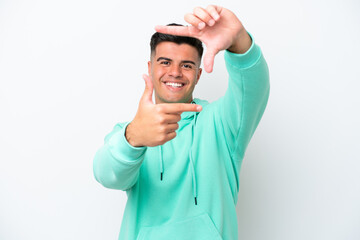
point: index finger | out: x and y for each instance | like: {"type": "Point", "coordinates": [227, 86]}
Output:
{"type": "Point", "coordinates": [178, 108]}
{"type": "Point", "coordinates": [187, 31]}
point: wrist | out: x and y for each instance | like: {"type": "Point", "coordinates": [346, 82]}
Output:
{"type": "Point", "coordinates": [242, 43]}
{"type": "Point", "coordinates": [130, 136]}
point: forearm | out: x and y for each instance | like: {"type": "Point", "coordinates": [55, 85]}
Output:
{"type": "Point", "coordinates": [117, 163]}
{"type": "Point", "coordinates": [246, 97]}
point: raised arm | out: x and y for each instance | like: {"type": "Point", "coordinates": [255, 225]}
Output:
{"type": "Point", "coordinates": [241, 108]}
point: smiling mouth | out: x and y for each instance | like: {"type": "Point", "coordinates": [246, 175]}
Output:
{"type": "Point", "coordinates": [174, 85]}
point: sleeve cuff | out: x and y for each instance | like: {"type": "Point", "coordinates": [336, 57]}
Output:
{"type": "Point", "coordinates": [121, 149]}
{"type": "Point", "coordinates": [246, 59]}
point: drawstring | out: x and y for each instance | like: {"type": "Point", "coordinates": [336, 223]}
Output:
{"type": "Point", "coordinates": [193, 178]}
{"type": "Point", "coordinates": [193, 173]}
{"type": "Point", "coordinates": [161, 163]}
{"type": "Point", "coordinates": [192, 161]}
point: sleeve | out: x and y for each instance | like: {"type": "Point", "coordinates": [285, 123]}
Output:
{"type": "Point", "coordinates": [244, 102]}
{"type": "Point", "coordinates": [116, 164]}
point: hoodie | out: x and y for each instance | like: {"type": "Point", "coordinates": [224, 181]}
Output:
{"type": "Point", "coordinates": [188, 187]}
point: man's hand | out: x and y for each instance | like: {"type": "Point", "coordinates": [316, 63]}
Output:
{"type": "Point", "coordinates": [155, 124]}
{"type": "Point", "coordinates": [217, 27]}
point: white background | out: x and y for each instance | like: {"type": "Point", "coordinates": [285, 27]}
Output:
{"type": "Point", "coordinates": [71, 69]}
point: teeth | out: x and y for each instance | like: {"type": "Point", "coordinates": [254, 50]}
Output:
{"type": "Point", "coordinates": [174, 84]}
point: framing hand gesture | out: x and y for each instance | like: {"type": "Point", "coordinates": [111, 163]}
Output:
{"type": "Point", "coordinates": [217, 27]}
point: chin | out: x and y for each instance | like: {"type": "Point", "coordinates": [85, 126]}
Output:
{"type": "Point", "coordinates": [173, 99]}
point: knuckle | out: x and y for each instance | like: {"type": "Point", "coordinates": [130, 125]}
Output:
{"type": "Point", "coordinates": [190, 18]}
{"type": "Point", "coordinates": [196, 9]}
{"type": "Point", "coordinates": [158, 109]}
{"type": "Point", "coordinates": [162, 130]}
{"type": "Point", "coordinates": [161, 138]}
{"type": "Point", "coordinates": [161, 119]}
{"type": "Point", "coordinates": [210, 7]}
{"type": "Point", "coordinates": [199, 12]}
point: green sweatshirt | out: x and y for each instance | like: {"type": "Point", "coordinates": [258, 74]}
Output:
{"type": "Point", "coordinates": [188, 187]}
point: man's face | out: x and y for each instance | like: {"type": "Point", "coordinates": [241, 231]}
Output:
{"type": "Point", "coordinates": [174, 69]}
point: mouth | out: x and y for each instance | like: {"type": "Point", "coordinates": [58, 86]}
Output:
{"type": "Point", "coordinates": [174, 86]}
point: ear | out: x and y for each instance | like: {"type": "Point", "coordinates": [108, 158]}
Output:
{"type": "Point", "coordinates": [149, 68]}
{"type": "Point", "coordinates": [198, 76]}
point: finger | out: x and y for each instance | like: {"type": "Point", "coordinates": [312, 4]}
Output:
{"type": "Point", "coordinates": [172, 127]}
{"type": "Point", "coordinates": [177, 30]}
{"type": "Point", "coordinates": [194, 21]}
{"type": "Point", "coordinates": [214, 11]}
{"type": "Point", "coordinates": [209, 59]}
{"type": "Point", "coordinates": [168, 118]}
{"type": "Point", "coordinates": [204, 16]}
{"type": "Point", "coordinates": [148, 92]}
{"type": "Point", "coordinates": [172, 118]}
{"type": "Point", "coordinates": [178, 108]}
{"type": "Point", "coordinates": [170, 136]}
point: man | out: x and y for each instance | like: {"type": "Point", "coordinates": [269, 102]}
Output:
{"type": "Point", "coordinates": [179, 159]}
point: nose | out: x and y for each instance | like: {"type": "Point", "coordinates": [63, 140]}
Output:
{"type": "Point", "coordinates": [175, 71]}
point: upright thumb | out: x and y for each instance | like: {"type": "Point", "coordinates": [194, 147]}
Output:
{"type": "Point", "coordinates": [148, 92]}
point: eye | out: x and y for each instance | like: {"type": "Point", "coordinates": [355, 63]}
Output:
{"type": "Point", "coordinates": [165, 63]}
{"type": "Point", "coordinates": [189, 66]}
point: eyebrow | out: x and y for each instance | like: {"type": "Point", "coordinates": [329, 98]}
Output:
{"type": "Point", "coordinates": [168, 59]}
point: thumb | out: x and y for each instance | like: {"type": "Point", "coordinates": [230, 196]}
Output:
{"type": "Point", "coordinates": [148, 92]}
{"type": "Point", "coordinates": [209, 59]}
